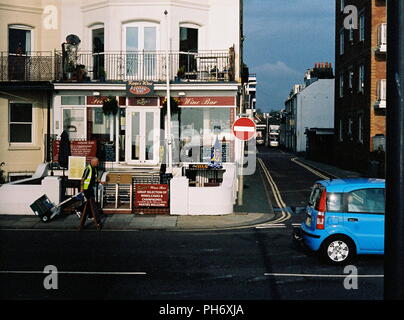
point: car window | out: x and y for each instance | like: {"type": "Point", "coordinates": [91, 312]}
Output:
{"type": "Point", "coordinates": [366, 200]}
{"type": "Point", "coordinates": [315, 196]}
{"type": "Point", "coordinates": [335, 202]}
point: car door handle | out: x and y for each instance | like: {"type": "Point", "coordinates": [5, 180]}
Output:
{"type": "Point", "coordinates": [353, 219]}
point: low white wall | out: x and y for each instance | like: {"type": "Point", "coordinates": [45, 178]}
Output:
{"type": "Point", "coordinates": [16, 198]}
{"type": "Point", "coordinates": [185, 200]}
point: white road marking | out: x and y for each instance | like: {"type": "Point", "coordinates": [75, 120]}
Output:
{"type": "Point", "coordinates": [73, 272]}
{"type": "Point", "coordinates": [323, 275]}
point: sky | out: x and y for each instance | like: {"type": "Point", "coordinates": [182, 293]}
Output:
{"type": "Point", "coordinates": [284, 38]}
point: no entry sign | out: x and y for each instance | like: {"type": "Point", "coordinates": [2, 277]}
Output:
{"type": "Point", "coordinates": [244, 129]}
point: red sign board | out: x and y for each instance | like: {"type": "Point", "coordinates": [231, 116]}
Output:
{"type": "Point", "coordinates": [205, 101]}
{"type": "Point", "coordinates": [244, 129]}
{"type": "Point", "coordinates": [151, 195]}
{"type": "Point", "coordinates": [139, 88]}
{"type": "Point", "coordinates": [86, 149]}
{"type": "Point", "coordinates": [96, 100]}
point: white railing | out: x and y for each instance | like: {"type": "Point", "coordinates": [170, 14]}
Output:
{"type": "Point", "coordinates": [382, 38]}
{"type": "Point", "coordinates": [381, 93]}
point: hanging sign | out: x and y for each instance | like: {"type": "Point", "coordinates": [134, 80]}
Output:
{"type": "Point", "coordinates": [139, 88]}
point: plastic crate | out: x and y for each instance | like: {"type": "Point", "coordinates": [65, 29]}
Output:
{"type": "Point", "coordinates": [42, 206]}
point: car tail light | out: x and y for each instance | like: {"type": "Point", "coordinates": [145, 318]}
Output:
{"type": "Point", "coordinates": [321, 211]}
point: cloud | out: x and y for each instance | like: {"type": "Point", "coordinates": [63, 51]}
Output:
{"type": "Point", "coordinates": [279, 68]}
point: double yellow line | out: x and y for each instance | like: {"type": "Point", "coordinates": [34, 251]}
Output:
{"type": "Point", "coordinates": [285, 215]}
{"type": "Point", "coordinates": [322, 176]}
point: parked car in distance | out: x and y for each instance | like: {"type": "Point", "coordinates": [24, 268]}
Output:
{"type": "Point", "coordinates": [344, 217]}
{"type": "Point", "coordinates": [273, 143]}
{"type": "Point", "coordinates": [259, 141]}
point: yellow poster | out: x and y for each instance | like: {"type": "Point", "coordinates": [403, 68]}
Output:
{"type": "Point", "coordinates": [76, 167]}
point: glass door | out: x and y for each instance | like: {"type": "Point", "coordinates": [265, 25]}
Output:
{"type": "Point", "coordinates": [140, 44]}
{"type": "Point", "coordinates": [142, 135]}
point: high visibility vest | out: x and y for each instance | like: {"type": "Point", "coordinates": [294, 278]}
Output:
{"type": "Point", "coordinates": [89, 176]}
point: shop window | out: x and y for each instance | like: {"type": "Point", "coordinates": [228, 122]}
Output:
{"type": "Point", "coordinates": [99, 126]}
{"type": "Point", "coordinates": [102, 129]}
{"type": "Point", "coordinates": [72, 100]}
{"type": "Point", "coordinates": [20, 123]}
{"type": "Point", "coordinates": [202, 129]}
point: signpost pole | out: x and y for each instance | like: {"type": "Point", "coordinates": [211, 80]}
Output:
{"type": "Point", "coordinates": [394, 221]}
{"type": "Point", "coordinates": [169, 138]}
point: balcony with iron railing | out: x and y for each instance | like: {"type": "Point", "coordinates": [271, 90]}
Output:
{"type": "Point", "coordinates": [201, 66]}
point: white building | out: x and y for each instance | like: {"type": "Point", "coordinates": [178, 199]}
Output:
{"type": "Point", "coordinates": [122, 53]}
{"type": "Point", "coordinates": [309, 105]}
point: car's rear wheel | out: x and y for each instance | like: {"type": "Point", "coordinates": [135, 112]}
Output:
{"type": "Point", "coordinates": [338, 250]}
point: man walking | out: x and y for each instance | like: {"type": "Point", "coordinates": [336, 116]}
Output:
{"type": "Point", "coordinates": [88, 182]}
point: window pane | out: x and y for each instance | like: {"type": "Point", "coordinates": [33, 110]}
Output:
{"type": "Point", "coordinates": [20, 133]}
{"type": "Point", "coordinates": [150, 136]}
{"type": "Point", "coordinates": [150, 40]}
{"type": "Point", "coordinates": [334, 202]}
{"type": "Point", "coordinates": [366, 200]}
{"type": "Point", "coordinates": [72, 100]}
{"type": "Point", "coordinates": [20, 112]}
{"type": "Point", "coordinates": [19, 41]}
{"type": "Point", "coordinates": [73, 123]}
{"type": "Point", "coordinates": [99, 126]}
{"type": "Point", "coordinates": [200, 129]}
{"type": "Point", "coordinates": [132, 38]}
{"type": "Point", "coordinates": [135, 135]}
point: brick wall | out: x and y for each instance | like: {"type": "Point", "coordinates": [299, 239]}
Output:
{"type": "Point", "coordinates": [351, 153]}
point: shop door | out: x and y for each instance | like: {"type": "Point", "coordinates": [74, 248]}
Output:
{"type": "Point", "coordinates": [142, 135]}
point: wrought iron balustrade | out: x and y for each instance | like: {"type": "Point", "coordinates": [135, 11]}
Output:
{"type": "Point", "coordinates": [202, 66]}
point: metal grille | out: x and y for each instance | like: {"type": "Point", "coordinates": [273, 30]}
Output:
{"type": "Point", "coordinates": [202, 66]}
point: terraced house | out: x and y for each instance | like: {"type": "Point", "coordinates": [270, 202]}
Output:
{"type": "Point", "coordinates": [61, 60]}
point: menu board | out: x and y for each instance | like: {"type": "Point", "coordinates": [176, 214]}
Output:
{"type": "Point", "coordinates": [86, 149]}
{"type": "Point", "coordinates": [151, 195]}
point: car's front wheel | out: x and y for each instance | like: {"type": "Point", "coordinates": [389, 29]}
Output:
{"type": "Point", "coordinates": [338, 250]}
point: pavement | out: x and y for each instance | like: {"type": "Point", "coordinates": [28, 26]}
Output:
{"type": "Point", "coordinates": [127, 222]}
{"type": "Point", "coordinates": [330, 170]}
{"type": "Point", "coordinates": [256, 209]}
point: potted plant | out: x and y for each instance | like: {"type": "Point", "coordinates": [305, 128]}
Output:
{"type": "Point", "coordinates": [110, 106]}
{"type": "Point", "coordinates": [70, 69]}
{"type": "Point", "coordinates": [81, 72]}
{"type": "Point", "coordinates": [180, 73]}
{"type": "Point", "coordinates": [174, 105]}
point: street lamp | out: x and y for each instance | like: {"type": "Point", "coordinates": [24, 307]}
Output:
{"type": "Point", "coordinates": [169, 140]}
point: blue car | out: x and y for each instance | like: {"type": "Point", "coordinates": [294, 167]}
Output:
{"type": "Point", "coordinates": [344, 217]}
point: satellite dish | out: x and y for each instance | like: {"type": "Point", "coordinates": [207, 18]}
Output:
{"type": "Point", "coordinates": [73, 39]}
